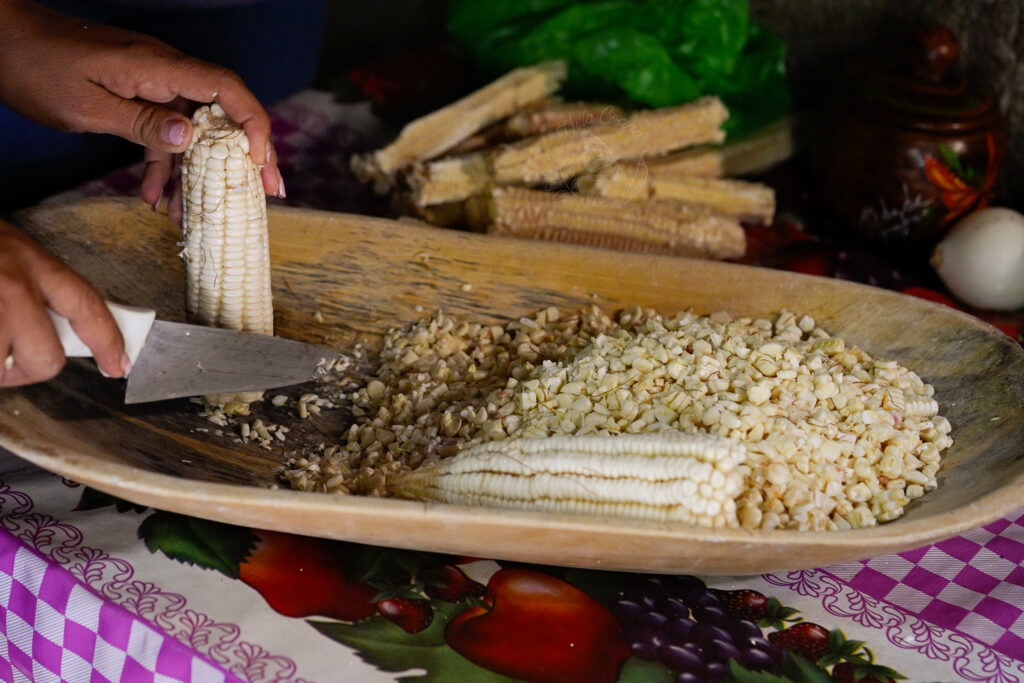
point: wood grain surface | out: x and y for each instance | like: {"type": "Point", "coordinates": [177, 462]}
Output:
{"type": "Point", "coordinates": [364, 275]}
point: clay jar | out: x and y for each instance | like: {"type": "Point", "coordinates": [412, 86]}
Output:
{"type": "Point", "coordinates": [911, 148]}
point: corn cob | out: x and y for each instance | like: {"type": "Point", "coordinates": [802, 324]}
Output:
{"type": "Point", "coordinates": [471, 214]}
{"type": "Point", "coordinates": [429, 136]}
{"type": "Point", "coordinates": [658, 227]}
{"type": "Point", "coordinates": [560, 156]}
{"type": "Point", "coordinates": [561, 116]}
{"type": "Point", "coordinates": [752, 202]}
{"type": "Point", "coordinates": [755, 153]}
{"type": "Point", "coordinates": [224, 223]}
{"type": "Point", "coordinates": [449, 180]}
{"type": "Point", "coordinates": [667, 477]}
{"type": "Point", "coordinates": [500, 132]}
{"type": "Point", "coordinates": [537, 118]}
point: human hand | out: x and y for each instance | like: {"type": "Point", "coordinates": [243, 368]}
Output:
{"type": "Point", "coordinates": [78, 76]}
{"type": "Point", "coordinates": [32, 281]}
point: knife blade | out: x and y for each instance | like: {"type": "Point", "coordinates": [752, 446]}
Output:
{"type": "Point", "coordinates": [175, 360]}
{"type": "Point", "coordinates": [180, 360]}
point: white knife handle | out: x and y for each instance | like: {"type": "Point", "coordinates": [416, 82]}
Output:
{"type": "Point", "coordinates": [134, 323]}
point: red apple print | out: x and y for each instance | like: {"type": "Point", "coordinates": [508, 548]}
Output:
{"type": "Point", "coordinates": [535, 627]}
{"type": "Point", "coordinates": [300, 576]}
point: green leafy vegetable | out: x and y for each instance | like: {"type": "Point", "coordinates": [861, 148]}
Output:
{"type": "Point", "coordinates": [652, 52]}
{"type": "Point", "coordinates": [638, 64]}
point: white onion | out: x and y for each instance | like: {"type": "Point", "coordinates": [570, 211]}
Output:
{"type": "Point", "coordinates": [981, 260]}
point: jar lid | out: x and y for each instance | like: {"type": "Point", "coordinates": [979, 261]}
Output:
{"type": "Point", "coordinates": [926, 89]}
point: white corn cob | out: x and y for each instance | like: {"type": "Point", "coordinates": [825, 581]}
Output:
{"type": "Point", "coordinates": [224, 223]}
{"type": "Point", "coordinates": [669, 477]}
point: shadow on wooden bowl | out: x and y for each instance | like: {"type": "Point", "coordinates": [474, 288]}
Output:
{"type": "Point", "coordinates": [340, 280]}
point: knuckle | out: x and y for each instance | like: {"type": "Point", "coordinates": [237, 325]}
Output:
{"type": "Point", "coordinates": [15, 286]}
{"type": "Point", "coordinates": [223, 80]}
{"type": "Point", "coordinates": [88, 298]}
{"type": "Point", "coordinates": [226, 76]}
{"type": "Point", "coordinates": [143, 124]}
{"type": "Point", "coordinates": [50, 367]}
{"type": "Point", "coordinates": [215, 77]}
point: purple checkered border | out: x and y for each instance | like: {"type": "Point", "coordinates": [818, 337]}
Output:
{"type": "Point", "coordinates": [114, 580]}
{"type": "Point", "coordinates": [958, 601]}
{"type": "Point", "coordinates": [973, 583]}
{"type": "Point", "coordinates": [54, 628]}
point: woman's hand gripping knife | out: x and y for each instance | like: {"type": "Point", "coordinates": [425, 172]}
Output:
{"type": "Point", "coordinates": [32, 281]}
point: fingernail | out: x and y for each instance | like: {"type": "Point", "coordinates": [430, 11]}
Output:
{"type": "Point", "coordinates": [126, 364]}
{"type": "Point", "coordinates": [173, 131]}
{"type": "Point", "coordinates": [268, 153]}
{"type": "Point", "coordinates": [280, 185]}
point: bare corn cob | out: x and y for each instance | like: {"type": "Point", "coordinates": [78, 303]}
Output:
{"type": "Point", "coordinates": [667, 477]}
{"type": "Point", "coordinates": [225, 244]}
{"type": "Point", "coordinates": [561, 116]}
{"type": "Point", "coordinates": [560, 156]}
{"type": "Point", "coordinates": [658, 227]}
{"type": "Point", "coordinates": [706, 161]}
{"type": "Point", "coordinates": [472, 214]}
{"type": "Point", "coordinates": [752, 202]}
{"type": "Point", "coordinates": [543, 116]}
{"type": "Point", "coordinates": [450, 179]}
{"type": "Point", "coordinates": [441, 130]}
{"type": "Point", "coordinates": [500, 132]}
{"type": "Point", "coordinates": [753, 154]}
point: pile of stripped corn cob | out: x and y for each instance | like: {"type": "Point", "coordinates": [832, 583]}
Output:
{"type": "Point", "coordinates": [831, 438]}
{"type": "Point", "coordinates": [646, 180]}
{"type": "Point", "coordinates": [225, 244]}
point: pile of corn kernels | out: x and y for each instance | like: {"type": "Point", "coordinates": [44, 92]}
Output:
{"type": "Point", "coordinates": [834, 438]}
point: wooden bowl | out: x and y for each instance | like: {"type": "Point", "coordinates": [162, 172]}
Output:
{"type": "Point", "coordinates": [364, 275]}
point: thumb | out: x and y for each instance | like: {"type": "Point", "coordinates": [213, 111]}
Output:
{"type": "Point", "coordinates": [150, 125]}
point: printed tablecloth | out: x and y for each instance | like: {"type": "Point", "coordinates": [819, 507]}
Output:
{"type": "Point", "coordinates": [96, 589]}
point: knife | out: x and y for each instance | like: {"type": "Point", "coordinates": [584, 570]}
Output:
{"type": "Point", "coordinates": [174, 360]}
